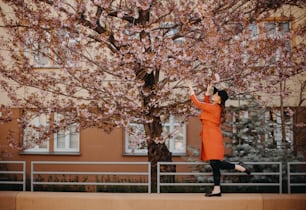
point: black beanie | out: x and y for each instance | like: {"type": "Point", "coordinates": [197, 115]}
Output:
{"type": "Point", "coordinates": [223, 95]}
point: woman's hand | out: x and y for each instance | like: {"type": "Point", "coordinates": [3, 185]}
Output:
{"type": "Point", "coordinates": [209, 88]}
{"type": "Point", "coordinates": [216, 78]}
{"type": "Point", "coordinates": [191, 91]}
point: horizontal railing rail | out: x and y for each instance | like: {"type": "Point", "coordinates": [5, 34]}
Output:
{"type": "Point", "coordinates": [295, 174]}
{"type": "Point", "coordinates": [160, 173]}
{"type": "Point", "coordinates": [8, 172]}
{"type": "Point", "coordinates": [146, 173]}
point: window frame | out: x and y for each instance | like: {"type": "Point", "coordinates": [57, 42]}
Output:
{"type": "Point", "coordinates": [37, 122]}
{"type": "Point", "coordinates": [254, 33]}
{"type": "Point", "coordinates": [52, 141]}
{"type": "Point", "coordinates": [64, 37]}
{"type": "Point", "coordinates": [33, 50]}
{"type": "Point", "coordinates": [276, 131]}
{"type": "Point", "coordinates": [258, 30]}
{"type": "Point", "coordinates": [68, 135]}
{"type": "Point", "coordinates": [42, 55]}
{"type": "Point", "coordinates": [273, 136]}
{"type": "Point", "coordinates": [277, 35]}
{"type": "Point", "coordinates": [170, 144]}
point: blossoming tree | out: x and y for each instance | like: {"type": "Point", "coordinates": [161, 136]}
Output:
{"type": "Point", "coordinates": [109, 63]}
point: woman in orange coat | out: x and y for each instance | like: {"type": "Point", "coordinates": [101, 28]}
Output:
{"type": "Point", "coordinates": [212, 148]}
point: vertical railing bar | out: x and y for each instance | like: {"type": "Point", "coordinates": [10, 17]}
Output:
{"type": "Point", "coordinates": [158, 177]}
{"type": "Point", "coordinates": [149, 177]}
{"type": "Point", "coordinates": [289, 177]}
{"type": "Point", "coordinates": [24, 175]}
{"type": "Point", "coordinates": [32, 176]}
{"type": "Point", "coordinates": [280, 178]}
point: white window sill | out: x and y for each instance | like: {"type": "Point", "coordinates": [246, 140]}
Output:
{"type": "Point", "coordinates": [49, 153]}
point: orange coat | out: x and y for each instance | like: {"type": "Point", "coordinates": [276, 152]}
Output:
{"type": "Point", "coordinates": [212, 141]}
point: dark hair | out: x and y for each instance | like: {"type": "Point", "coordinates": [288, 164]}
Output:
{"type": "Point", "coordinates": [224, 96]}
{"type": "Point", "coordinates": [223, 113]}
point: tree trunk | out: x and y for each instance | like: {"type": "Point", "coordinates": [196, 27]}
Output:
{"type": "Point", "coordinates": [157, 151]}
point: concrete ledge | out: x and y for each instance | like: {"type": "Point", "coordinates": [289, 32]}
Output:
{"type": "Point", "coordinates": [141, 201]}
{"type": "Point", "coordinates": [284, 201]}
{"type": "Point", "coordinates": [8, 200]}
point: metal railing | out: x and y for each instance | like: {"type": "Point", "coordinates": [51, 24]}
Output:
{"type": "Point", "coordinates": [40, 168]}
{"type": "Point", "coordinates": [297, 173]}
{"type": "Point", "coordinates": [146, 173]}
{"type": "Point", "coordinates": [195, 173]}
{"type": "Point", "coordinates": [9, 173]}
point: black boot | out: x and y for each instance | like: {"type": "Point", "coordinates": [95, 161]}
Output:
{"type": "Point", "coordinates": [213, 194]}
{"type": "Point", "coordinates": [247, 171]}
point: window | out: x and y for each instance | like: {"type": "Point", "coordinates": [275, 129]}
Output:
{"type": "Point", "coordinates": [253, 31]}
{"type": "Point", "coordinates": [34, 139]}
{"type": "Point", "coordinates": [239, 120]}
{"type": "Point", "coordinates": [65, 44]}
{"type": "Point", "coordinates": [251, 127]}
{"type": "Point", "coordinates": [66, 140]}
{"type": "Point", "coordinates": [278, 31]}
{"type": "Point", "coordinates": [171, 30]}
{"type": "Point", "coordinates": [41, 55]}
{"type": "Point", "coordinates": [135, 141]}
{"type": "Point", "coordinates": [37, 50]}
{"type": "Point", "coordinates": [174, 133]}
{"type": "Point", "coordinates": [275, 134]}
{"type": "Point", "coordinates": [51, 49]}
{"type": "Point", "coordinates": [36, 135]}
{"type": "Point", "coordinates": [252, 37]}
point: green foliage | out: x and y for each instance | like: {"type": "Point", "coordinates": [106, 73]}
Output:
{"type": "Point", "coordinates": [252, 134]}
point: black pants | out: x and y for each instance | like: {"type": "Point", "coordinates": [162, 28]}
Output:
{"type": "Point", "coordinates": [216, 166]}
